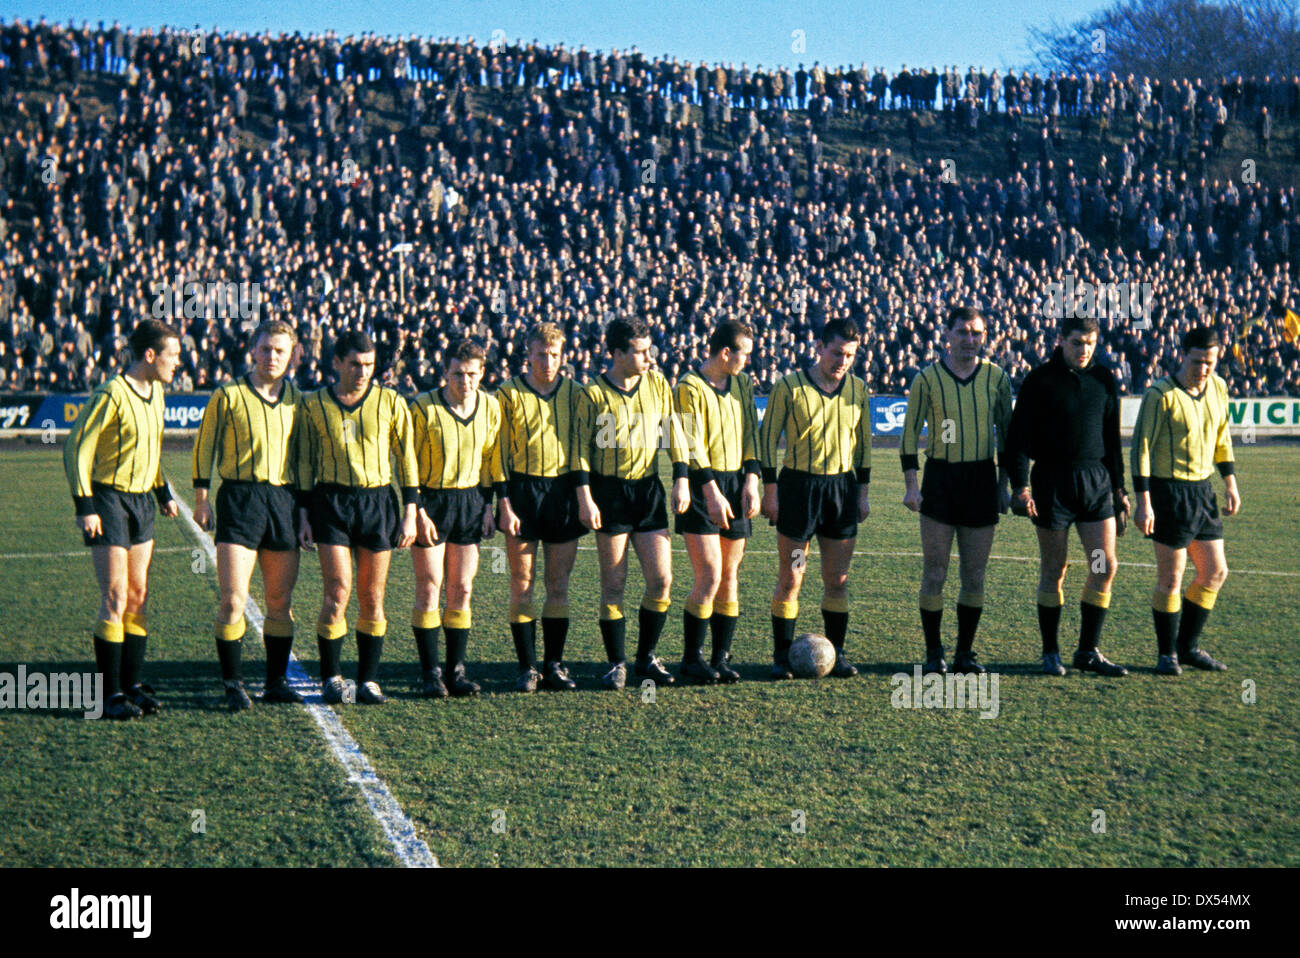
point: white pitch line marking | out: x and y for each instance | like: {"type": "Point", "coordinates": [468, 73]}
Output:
{"type": "Point", "coordinates": [409, 848]}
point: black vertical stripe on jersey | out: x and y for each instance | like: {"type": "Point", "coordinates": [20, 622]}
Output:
{"type": "Point", "coordinates": [133, 449]}
{"type": "Point", "coordinates": [993, 419]}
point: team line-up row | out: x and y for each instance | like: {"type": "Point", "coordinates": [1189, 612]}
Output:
{"type": "Point", "coordinates": [315, 471]}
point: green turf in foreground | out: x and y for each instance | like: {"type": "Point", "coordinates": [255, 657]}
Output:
{"type": "Point", "coordinates": [1185, 772]}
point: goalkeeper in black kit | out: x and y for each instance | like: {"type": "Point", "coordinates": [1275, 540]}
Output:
{"type": "Point", "coordinates": [1066, 419]}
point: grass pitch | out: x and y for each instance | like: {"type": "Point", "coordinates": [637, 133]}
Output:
{"type": "Point", "coordinates": [1180, 771]}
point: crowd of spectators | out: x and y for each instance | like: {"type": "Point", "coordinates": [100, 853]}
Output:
{"type": "Point", "coordinates": [681, 193]}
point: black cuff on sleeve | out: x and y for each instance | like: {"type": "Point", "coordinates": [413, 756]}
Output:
{"type": "Point", "coordinates": [703, 476]}
{"type": "Point", "coordinates": [303, 497]}
{"type": "Point", "coordinates": [502, 490]}
{"type": "Point", "coordinates": [911, 461]}
{"type": "Point", "coordinates": [863, 475]}
{"type": "Point", "coordinates": [768, 475]}
{"type": "Point", "coordinates": [410, 495]}
{"type": "Point", "coordinates": [486, 493]}
{"type": "Point", "coordinates": [1141, 483]}
{"type": "Point", "coordinates": [1226, 469]}
{"type": "Point", "coordinates": [85, 505]}
{"type": "Point", "coordinates": [581, 477]}
{"type": "Point", "coordinates": [163, 493]}
{"type": "Point", "coordinates": [753, 467]}
{"type": "Point", "coordinates": [679, 471]}
{"type": "Point", "coordinates": [202, 483]}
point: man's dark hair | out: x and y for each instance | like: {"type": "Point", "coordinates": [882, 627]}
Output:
{"type": "Point", "coordinates": [728, 336]}
{"type": "Point", "coordinates": [1200, 337]}
{"type": "Point", "coordinates": [463, 350]}
{"type": "Point", "coordinates": [620, 333]}
{"type": "Point", "coordinates": [834, 329]}
{"type": "Point", "coordinates": [1082, 324]}
{"type": "Point", "coordinates": [963, 314]}
{"type": "Point", "coordinates": [150, 334]}
{"type": "Point", "coordinates": [352, 341]}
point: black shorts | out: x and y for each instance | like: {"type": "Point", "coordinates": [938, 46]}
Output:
{"type": "Point", "coordinates": [457, 515]}
{"type": "Point", "coordinates": [696, 518]}
{"type": "Point", "coordinates": [1184, 511]}
{"type": "Point", "coordinates": [547, 508]}
{"type": "Point", "coordinates": [826, 505]}
{"type": "Point", "coordinates": [630, 505]}
{"type": "Point", "coordinates": [1065, 493]}
{"type": "Point", "coordinates": [257, 515]}
{"type": "Point", "coordinates": [960, 493]}
{"type": "Point", "coordinates": [366, 518]}
{"type": "Point", "coordinates": [127, 517]}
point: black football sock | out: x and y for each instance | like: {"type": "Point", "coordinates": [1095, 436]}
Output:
{"type": "Point", "coordinates": [970, 605]}
{"type": "Point", "coordinates": [133, 649]}
{"type": "Point", "coordinates": [278, 650]}
{"type": "Point", "coordinates": [456, 623]}
{"type": "Point", "coordinates": [1092, 615]}
{"type": "Point", "coordinates": [722, 625]}
{"type": "Point", "coordinates": [230, 655]}
{"type": "Point", "coordinates": [277, 636]}
{"type": "Point", "coordinates": [784, 617]}
{"type": "Point", "coordinates": [613, 633]}
{"type": "Point", "coordinates": [835, 618]}
{"type": "Point", "coordinates": [650, 625]}
{"type": "Point", "coordinates": [331, 656]}
{"type": "Point", "coordinates": [108, 656]}
{"type": "Point", "coordinates": [1189, 628]}
{"type": "Point", "coordinates": [555, 629]}
{"type": "Point", "coordinates": [1049, 620]}
{"type": "Point", "coordinates": [525, 639]}
{"type": "Point", "coordinates": [370, 648]}
{"type": "Point", "coordinates": [695, 624]}
{"type": "Point", "coordinates": [230, 650]}
{"type": "Point", "coordinates": [426, 624]}
{"type": "Point", "coordinates": [1164, 612]}
{"type": "Point", "coordinates": [932, 622]}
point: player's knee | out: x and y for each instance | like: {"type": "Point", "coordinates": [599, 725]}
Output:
{"type": "Point", "coordinates": [1218, 576]}
{"type": "Point", "coordinates": [658, 585]}
{"type": "Point", "coordinates": [232, 606]}
{"type": "Point", "coordinates": [136, 597]}
{"type": "Point", "coordinates": [933, 578]}
{"type": "Point", "coordinates": [458, 595]}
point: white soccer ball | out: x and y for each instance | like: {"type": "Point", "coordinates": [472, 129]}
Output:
{"type": "Point", "coordinates": [812, 656]}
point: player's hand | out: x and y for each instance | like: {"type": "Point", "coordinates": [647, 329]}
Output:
{"type": "Point", "coordinates": [769, 503]}
{"type": "Point", "coordinates": [425, 530]}
{"type": "Point", "coordinates": [91, 525]}
{"type": "Point", "coordinates": [203, 515]}
{"type": "Point", "coordinates": [408, 528]}
{"type": "Point", "coordinates": [1022, 503]}
{"type": "Point", "coordinates": [509, 522]}
{"type": "Point", "coordinates": [912, 498]}
{"type": "Point", "coordinates": [864, 505]}
{"type": "Point", "coordinates": [681, 495]}
{"type": "Point", "coordinates": [1123, 513]}
{"type": "Point", "coordinates": [720, 511]}
{"type": "Point", "coordinates": [588, 513]}
{"type": "Point", "coordinates": [305, 540]}
{"type": "Point", "coordinates": [1144, 518]}
{"type": "Point", "coordinates": [1004, 499]}
{"type": "Point", "coordinates": [170, 509]}
{"type": "Point", "coordinates": [1231, 497]}
{"type": "Point", "coordinates": [751, 500]}
{"type": "Point", "coordinates": [489, 524]}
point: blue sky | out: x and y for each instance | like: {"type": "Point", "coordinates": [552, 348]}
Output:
{"type": "Point", "coordinates": [835, 32]}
